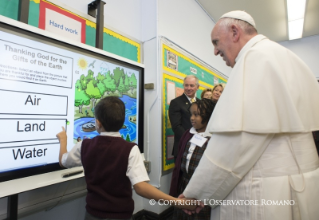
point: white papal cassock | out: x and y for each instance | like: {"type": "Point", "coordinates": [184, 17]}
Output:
{"type": "Point", "coordinates": [261, 157]}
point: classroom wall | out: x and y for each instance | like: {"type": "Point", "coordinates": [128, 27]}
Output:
{"type": "Point", "coordinates": [185, 23]}
{"type": "Point", "coordinates": [307, 49]}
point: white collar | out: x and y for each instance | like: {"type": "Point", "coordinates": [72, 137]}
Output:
{"type": "Point", "coordinates": [249, 45]}
{"type": "Point", "coordinates": [190, 99]}
{"type": "Point", "coordinates": [203, 134]}
{"type": "Point", "coordinates": [111, 133]}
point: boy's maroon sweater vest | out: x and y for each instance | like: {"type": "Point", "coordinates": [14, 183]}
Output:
{"type": "Point", "coordinates": [105, 162]}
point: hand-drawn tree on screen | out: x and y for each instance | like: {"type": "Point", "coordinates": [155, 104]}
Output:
{"type": "Point", "coordinates": [93, 92]}
{"type": "Point", "coordinates": [81, 98]}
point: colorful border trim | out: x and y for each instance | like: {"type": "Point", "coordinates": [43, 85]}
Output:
{"type": "Point", "coordinates": [127, 40]}
{"type": "Point", "coordinates": [121, 37]}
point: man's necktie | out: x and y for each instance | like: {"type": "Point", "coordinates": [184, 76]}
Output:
{"type": "Point", "coordinates": [192, 100]}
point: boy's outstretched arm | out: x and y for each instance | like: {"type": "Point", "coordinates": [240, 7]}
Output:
{"type": "Point", "coordinates": [150, 192]}
{"type": "Point", "coordinates": [63, 144]}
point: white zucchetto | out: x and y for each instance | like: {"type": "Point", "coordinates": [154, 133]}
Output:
{"type": "Point", "coordinates": [240, 15]}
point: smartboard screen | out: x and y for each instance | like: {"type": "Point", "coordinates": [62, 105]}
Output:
{"type": "Point", "coordinates": [46, 84]}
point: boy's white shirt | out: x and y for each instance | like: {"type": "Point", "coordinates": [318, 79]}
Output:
{"type": "Point", "coordinates": [136, 171]}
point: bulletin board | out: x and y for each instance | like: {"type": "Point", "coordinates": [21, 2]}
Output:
{"type": "Point", "coordinates": [176, 65]}
{"type": "Point", "coordinates": [172, 88]}
{"type": "Point", "coordinates": [112, 42]}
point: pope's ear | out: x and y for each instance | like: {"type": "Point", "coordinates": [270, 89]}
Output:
{"type": "Point", "coordinates": [235, 32]}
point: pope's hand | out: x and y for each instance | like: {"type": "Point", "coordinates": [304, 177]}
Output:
{"type": "Point", "coordinates": [192, 209]}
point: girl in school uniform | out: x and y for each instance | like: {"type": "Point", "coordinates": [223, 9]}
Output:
{"type": "Point", "coordinates": [191, 148]}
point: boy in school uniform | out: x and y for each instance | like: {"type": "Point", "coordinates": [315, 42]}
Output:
{"type": "Point", "coordinates": [111, 165]}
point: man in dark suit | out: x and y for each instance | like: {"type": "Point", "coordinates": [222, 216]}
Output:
{"type": "Point", "coordinates": [179, 114]}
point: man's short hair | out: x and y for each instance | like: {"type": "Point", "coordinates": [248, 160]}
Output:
{"type": "Point", "coordinates": [245, 26]}
{"type": "Point", "coordinates": [191, 76]}
{"type": "Point", "coordinates": [110, 111]}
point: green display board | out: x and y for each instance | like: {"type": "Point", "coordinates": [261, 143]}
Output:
{"type": "Point", "coordinates": [9, 8]}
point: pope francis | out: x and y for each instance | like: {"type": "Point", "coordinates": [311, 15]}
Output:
{"type": "Point", "coordinates": [261, 161]}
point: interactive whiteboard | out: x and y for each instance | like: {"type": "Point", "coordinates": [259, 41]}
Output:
{"type": "Point", "coordinates": [46, 84]}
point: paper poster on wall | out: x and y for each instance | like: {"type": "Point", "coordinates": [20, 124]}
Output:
{"type": "Point", "coordinates": [45, 87]}
{"type": "Point", "coordinates": [172, 60]}
{"type": "Point", "coordinates": [61, 22]}
{"type": "Point", "coordinates": [216, 81]}
{"type": "Point", "coordinates": [170, 145]}
{"type": "Point", "coordinates": [171, 94]}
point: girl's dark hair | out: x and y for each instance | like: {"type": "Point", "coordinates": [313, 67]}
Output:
{"type": "Point", "coordinates": [205, 108]}
{"type": "Point", "coordinates": [110, 111]}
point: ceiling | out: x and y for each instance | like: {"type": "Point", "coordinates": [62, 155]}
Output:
{"type": "Point", "coordinates": [270, 15]}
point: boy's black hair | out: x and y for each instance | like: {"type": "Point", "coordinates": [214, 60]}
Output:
{"type": "Point", "coordinates": [110, 111]}
{"type": "Point", "coordinates": [205, 108]}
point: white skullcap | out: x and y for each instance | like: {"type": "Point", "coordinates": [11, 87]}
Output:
{"type": "Point", "coordinates": [240, 15]}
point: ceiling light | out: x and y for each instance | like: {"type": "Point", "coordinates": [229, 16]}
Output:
{"type": "Point", "coordinates": [295, 29]}
{"type": "Point", "coordinates": [296, 13]}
